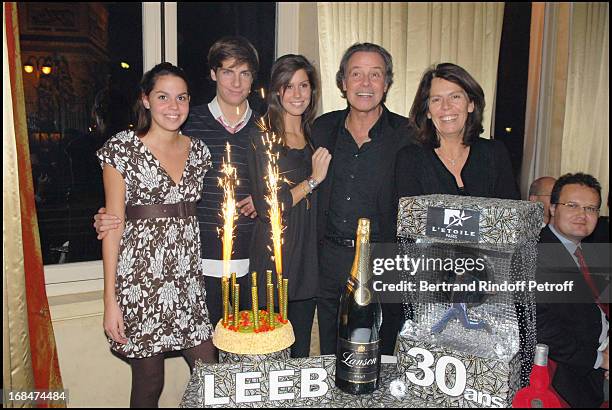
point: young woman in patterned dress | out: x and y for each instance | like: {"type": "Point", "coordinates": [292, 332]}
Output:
{"type": "Point", "coordinates": [154, 297]}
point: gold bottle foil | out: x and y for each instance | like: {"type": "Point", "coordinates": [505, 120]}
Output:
{"type": "Point", "coordinates": [255, 305]}
{"type": "Point", "coordinates": [225, 299]}
{"type": "Point", "coordinates": [360, 271]}
{"type": "Point", "coordinates": [285, 298]}
{"type": "Point", "coordinates": [271, 304]}
{"type": "Point", "coordinates": [236, 305]}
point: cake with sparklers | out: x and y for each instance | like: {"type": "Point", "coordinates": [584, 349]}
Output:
{"type": "Point", "coordinates": [255, 331]}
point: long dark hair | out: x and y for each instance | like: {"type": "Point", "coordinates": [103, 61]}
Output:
{"type": "Point", "coordinates": [147, 84]}
{"type": "Point", "coordinates": [283, 70]}
{"type": "Point", "coordinates": [426, 131]}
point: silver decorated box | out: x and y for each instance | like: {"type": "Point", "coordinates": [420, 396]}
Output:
{"type": "Point", "coordinates": [492, 330]}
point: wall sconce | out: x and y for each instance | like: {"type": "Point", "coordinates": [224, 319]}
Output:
{"type": "Point", "coordinates": [46, 68]}
{"type": "Point", "coordinates": [28, 67]}
{"type": "Point", "coordinates": [40, 64]}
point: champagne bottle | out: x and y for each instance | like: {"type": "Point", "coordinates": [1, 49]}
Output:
{"type": "Point", "coordinates": [359, 320]}
{"type": "Point", "coordinates": [539, 393]}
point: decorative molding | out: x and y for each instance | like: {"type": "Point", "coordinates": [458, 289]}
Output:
{"type": "Point", "coordinates": [72, 278]}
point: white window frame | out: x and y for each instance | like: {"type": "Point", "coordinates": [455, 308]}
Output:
{"type": "Point", "coordinates": [151, 34]}
{"type": "Point", "coordinates": [287, 28]}
{"type": "Point", "coordinates": [82, 277]}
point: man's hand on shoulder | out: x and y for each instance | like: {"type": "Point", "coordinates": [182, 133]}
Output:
{"type": "Point", "coordinates": [104, 222]}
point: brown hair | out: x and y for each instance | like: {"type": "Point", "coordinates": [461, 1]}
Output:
{"type": "Point", "coordinates": [579, 178]}
{"type": "Point", "coordinates": [143, 116]}
{"type": "Point", "coordinates": [370, 48]}
{"type": "Point", "coordinates": [236, 47]}
{"type": "Point", "coordinates": [426, 131]}
{"type": "Point", "coordinates": [283, 70]}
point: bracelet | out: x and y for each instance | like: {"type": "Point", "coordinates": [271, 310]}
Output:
{"type": "Point", "coordinates": [305, 188]}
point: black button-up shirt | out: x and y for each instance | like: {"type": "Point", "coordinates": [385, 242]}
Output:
{"type": "Point", "coordinates": [365, 175]}
{"type": "Point", "coordinates": [355, 176]}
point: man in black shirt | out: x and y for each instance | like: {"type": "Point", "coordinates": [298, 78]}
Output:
{"type": "Point", "coordinates": [363, 140]}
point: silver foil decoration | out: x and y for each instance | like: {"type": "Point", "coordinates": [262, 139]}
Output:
{"type": "Point", "coordinates": [503, 323]}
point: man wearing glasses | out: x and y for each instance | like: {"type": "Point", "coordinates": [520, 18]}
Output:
{"type": "Point", "coordinates": [576, 327]}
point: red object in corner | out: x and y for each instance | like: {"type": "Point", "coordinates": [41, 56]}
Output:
{"type": "Point", "coordinates": [539, 393]}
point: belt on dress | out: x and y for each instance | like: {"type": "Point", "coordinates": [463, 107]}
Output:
{"type": "Point", "coordinates": [178, 210]}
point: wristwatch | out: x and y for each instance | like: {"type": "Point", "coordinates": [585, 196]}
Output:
{"type": "Point", "coordinates": [312, 183]}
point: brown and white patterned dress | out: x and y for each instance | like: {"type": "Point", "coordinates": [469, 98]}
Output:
{"type": "Point", "coordinates": [159, 282]}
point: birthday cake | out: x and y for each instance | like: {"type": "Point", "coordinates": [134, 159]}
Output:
{"type": "Point", "coordinates": [246, 339]}
{"type": "Point", "coordinates": [254, 332]}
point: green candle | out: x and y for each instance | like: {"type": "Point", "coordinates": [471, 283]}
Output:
{"type": "Point", "coordinates": [271, 304]}
{"type": "Point", "coordinates": [255, 308]}
{"type": "Point", "coordinates": [236, 306]}
{"type": "Point", "coordinates": [225, 299]}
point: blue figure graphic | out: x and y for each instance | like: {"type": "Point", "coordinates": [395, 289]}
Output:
{"type": "Point", "coordinates": [459, 311]}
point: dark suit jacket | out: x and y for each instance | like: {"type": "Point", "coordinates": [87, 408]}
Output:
{"type": "Point", "coordinates": [397, 133]}
{"type": "Point", "coordinates": [571, 330]}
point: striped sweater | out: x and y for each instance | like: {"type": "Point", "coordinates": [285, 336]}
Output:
{"type": "Point", "coordinates": [202, 125]}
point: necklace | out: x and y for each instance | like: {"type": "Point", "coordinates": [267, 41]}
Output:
{"type": "Point", "coordinates": [453, 161]}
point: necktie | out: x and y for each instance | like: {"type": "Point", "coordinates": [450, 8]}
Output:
{"type": "Point", "coordinates": [589, 280]}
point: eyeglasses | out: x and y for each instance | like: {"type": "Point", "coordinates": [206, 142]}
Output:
{"type": "Point", "coordinates": [575, 207]}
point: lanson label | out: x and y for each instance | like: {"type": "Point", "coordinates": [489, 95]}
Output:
{"type": "Point", "coordinates": [357, 362]}
{"type": "Point", "coordinates": [448, 223]}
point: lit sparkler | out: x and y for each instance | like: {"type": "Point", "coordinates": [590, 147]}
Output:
{"type": "Point", "coordinates": [276, 212]}
{"type": "Point", "coordinates": [228, 182]}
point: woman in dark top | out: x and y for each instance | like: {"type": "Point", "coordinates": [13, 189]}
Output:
{"type": "Point", "coordinates": [292, 101]}
{"type": "Point", "coordinates": [449, 156]}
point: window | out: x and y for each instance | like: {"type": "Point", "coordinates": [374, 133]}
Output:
{"type": "Point", "coordinates": [512, 74]}
{"type": "Point", "coordinates": [82, 63]}
{"type": "Point", "coordinates": [201, 24]}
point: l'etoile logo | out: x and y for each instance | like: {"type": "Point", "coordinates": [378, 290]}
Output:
{"type": "Point", "coordinates": [454, 217]}
{"type": "Point", "coordinates": [448, 223]}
